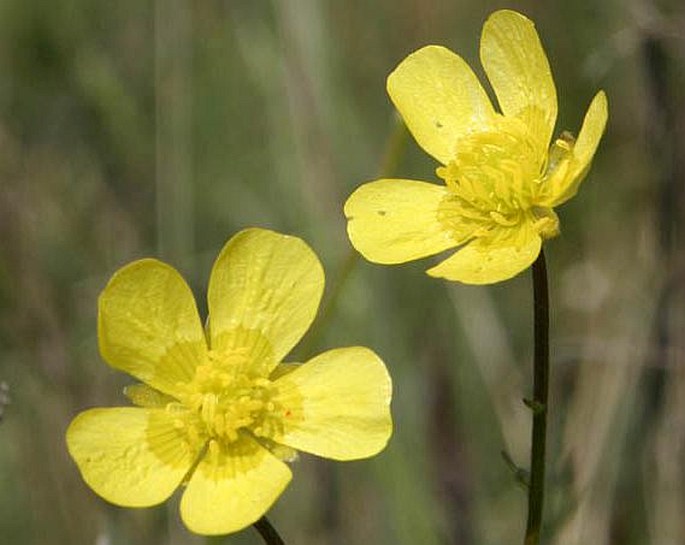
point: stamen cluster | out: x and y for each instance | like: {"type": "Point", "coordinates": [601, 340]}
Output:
{"type": "Point", "coordinates": [222, 400]}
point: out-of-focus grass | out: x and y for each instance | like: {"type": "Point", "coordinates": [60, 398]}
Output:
{"type": "Point", "coordinates": [161, 128]}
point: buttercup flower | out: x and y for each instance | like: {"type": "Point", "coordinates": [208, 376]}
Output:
{"type": "Point", "coordinates": [502, 177]}
{"type": "Point", "coordinates": [216, 410]}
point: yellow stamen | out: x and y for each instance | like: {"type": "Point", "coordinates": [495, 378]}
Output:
{"type": "Point", "coordinates": [223, 399]}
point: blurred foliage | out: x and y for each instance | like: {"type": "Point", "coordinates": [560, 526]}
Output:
{"type": "Point", "coordinates": [161, 128]}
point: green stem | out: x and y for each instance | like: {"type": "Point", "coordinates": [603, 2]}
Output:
{"type": "Point", "coordinates": [312, 341]}
{"type": "Point", "coordinates": [268, 532]}
{"type": "Point", "coordinates": [394, 149]}
{"type": "Point", "coordinates": [536, 490]}
{"type": "Point", "coordinates": [173, 130]}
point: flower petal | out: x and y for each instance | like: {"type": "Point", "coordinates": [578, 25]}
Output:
{"type": "Point", "coordinates": [263, 294]}
{"type": "Point", "coordinates": [484, 261]}
{"type": "Point", "coordinates": [519, 72]}
{"type": "Point", "coordinates": [336, 405]}
{"type": "Point", "coordinates": [129, 456]}
{"type": "Point", "coordinates": [583, 150]}
{"type": "Point", "coordinates": [591, 131]}
{"type": "Point", "coordinates": [439, 98]}
{"type": "Point", "coordinates": [232, 487]}
{"type": "Point", "coordinates": [148, 325]}
{"type": "Point", "coordinates": [394, 221]}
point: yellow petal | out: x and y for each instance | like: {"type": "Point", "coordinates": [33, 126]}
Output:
{"type": "Point", "coordinates": [394, 221]}
{"type": "Point", "coordinates": [336, 405]}
{"type": "Point", "coordinates": [439, 98]}
{"type": "Point", "coordinates": [264, 292]}
{"type": "Point", "coordinates": [232, 487]}
{"type": "Point", "coordinates": [148, 325]}
{"type": "Point", "coordinates": [129, 456]}
{"type": "Point", "coordinates": [584, 149]}
{"type": "Point", "coordinates": [517, 67]}
{"type": "Point", "coordinates": [591, 131]}
{"type": "Point", "coordinates": [484, 261]}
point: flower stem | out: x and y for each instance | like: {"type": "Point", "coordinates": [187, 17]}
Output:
{"type": "Point", "coordinates": [268, 532]}
{"type": "Point", "coordinates": [536, 490]}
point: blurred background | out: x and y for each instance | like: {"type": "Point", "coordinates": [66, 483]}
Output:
{"type": "Point", "coordinates": [160, 128]}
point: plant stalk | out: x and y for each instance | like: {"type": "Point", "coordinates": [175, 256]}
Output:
{"type": "Point", "coordinates": [536, 490]}
{"type": "Point", "coordinates": [268, 532]}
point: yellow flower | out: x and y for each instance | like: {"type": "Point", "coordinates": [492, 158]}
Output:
{"type": "Point", "coordinates": [502, 177]}
{"type": "Point", "coordinates": [216, 409]}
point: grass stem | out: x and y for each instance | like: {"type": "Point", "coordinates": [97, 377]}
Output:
{"type": "Point", "coordinates": [394, 150]}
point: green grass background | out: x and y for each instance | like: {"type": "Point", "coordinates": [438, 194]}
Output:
{"type": "Point", "coordinates": [139, 128]}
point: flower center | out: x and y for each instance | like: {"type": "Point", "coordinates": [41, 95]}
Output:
{"type": "Point", "coordinates": [495, 180]}
{"type": "Point", "coordinates": [223, 399]}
